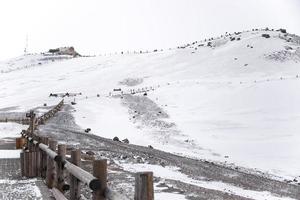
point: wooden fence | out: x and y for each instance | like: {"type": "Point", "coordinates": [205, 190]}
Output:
{"type": "Point", "coordinates": [24, 120]}
{"type": "Point", "coordinates": [44, 157]}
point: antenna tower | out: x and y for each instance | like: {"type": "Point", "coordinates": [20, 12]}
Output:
{"type": "Point", "coordinates": [26, 45]}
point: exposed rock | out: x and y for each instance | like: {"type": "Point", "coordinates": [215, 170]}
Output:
{"type": "Point", "coordinates": [265, 35]}
{"type": "Point", "coordinates": [90, 153]}
{"type": "Point", "coordinates": [116, 139]}
{"type": "Point", "coordinates": [131, 81]}
{"type": "Point", "coordinates": [87, 130]}
{"type": "Point", "coordinates": [126, 141]}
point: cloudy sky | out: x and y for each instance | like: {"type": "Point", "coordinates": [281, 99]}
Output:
{"type": "Point", "coordinates": [99, 26]}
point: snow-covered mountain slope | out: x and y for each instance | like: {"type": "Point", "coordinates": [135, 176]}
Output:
{"type": "Point", "coordinates": [224, 99]}
{"type": "Point", "coordinates": [29, 61]}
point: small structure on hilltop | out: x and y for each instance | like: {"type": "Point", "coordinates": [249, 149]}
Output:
{"type": "Point", "coordinates": [64, 51]}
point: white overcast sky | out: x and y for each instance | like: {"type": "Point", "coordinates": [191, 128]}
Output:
{"type": "Point", "coordinates": [98, 26]}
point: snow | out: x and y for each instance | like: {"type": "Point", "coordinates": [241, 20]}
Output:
{"type": "Point", "coordinates": [100, 122]}
{"type": "Point", "coordinates": [10, 154]}
{"type": "Point", "coordinates": [10, 130]}
{"type": "Point", "coordinates": [165, 195]}
{"type": "Point", "coordinates": [28, 187]}
{"type": "Point", "coordinates": [243, 122]}
{"type": "Point", "coordinates": [174, 174]}
{"type": "Point", "coordinates": [224, 109]}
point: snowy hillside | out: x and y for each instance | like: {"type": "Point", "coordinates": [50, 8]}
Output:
{"type": "Point", "coordinates": [223, 99]}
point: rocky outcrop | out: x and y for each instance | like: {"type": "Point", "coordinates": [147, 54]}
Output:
{"type": "Point", "coordinates": [64, 51]}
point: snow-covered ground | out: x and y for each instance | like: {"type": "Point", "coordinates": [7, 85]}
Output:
{"type": "Point", "coordinates": [10, 154]}
{"type": "Point", "coordinates": [231, 102]}
{"type": "Point", "coordinates": [11, 130]}
{"type": "Point", "coordinates": [173, 174]}
{"type": "Point", "coordinates": [28, 188]}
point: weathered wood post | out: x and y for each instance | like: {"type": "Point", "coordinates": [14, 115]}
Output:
{"type": "Point", "coordinates": [26, 163]}
{"type": "Point", "coordinates": [30, 133]}
{"type": "Point", "coordinates": [36, 122]}
{"type": "Point", "coordinates": [32, 164]}
{"type": "Point", "coordinates": [74, 182]}
{"type": "Point", "coordinates": [144, 186]}
{"type": "Point", "coordinates": [60, 178]}
{"type": "Point", "coordinates": [32, 122]}
{"type": "Point", "coordinates": [30, 146]}
{"type": "Point", "coordinates": [20, 142]}
{"type": "Point", "coordinates": [38, 156]}
{"type": "Point", "coordinates": [44, 140]}
{"type": "Point", "coordinates": [100, 172]}
{"type": "Point", "coordinates": [51, 172]}
{"type": "Point", "coordinates": [22, 163]}
{"type": "Point", "coordinates": [42, 120]}
{"type": "Point", "coordinates": [22, 157]}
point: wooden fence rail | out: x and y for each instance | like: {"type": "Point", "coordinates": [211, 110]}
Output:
{"type": "Point", "coordinates": [40, 158]}
{"type": "Point", "coordinates": [19, 120]}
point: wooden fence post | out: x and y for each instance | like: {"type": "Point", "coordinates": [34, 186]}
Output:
{"type": "Point", "coordinates": [36, 123]}
{"type": "Point", "coordinates": [74, 182]}
{"type": "Point", "coordinates": [30, 146]}
{"type": "Point", "coordinates": [32, 164]}
{"type": "Point", "coordinates": [44, 140]}
{"type": "Point", "coordinates": [144, 186]}
{"type": "Point", "coordinates": [32, 123]}
{"type": "Point", "coordinates": [38, 156]}
{"type": "Point", "coordinates": [60, 178]}
{"type": "Point", "coordinates": [26, 163]}
{"type": "Point", "coordinates": [20, 142]}
{"type": "Point", "coordinates": [22, 163]}
{"type": "Point", "coordinates": [51, 172]}
{"type": "Point", "coordinates": [41, 140]}
{"type": "Point", "coordinates": [42, 120]}
{"type": "Point", "coordinates": [100, 172]}
{"type": "Point", "coordinates": [28, 143]}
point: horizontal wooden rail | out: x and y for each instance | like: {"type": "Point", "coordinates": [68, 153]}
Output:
{"type": "Point", "coordinates": [24, 120]}
{"type": "Point", "coordinates": [58, 195]}
{"type": "Point", "coordinates": [50, 113]}
{"type": "Point", "coordinates": [83, 176]}
{"type": "Point", "coordinates": [39, 159]}
{"type": "Point", "coordinates": [49, 152]}
{"type": "Point", "coordinates": [76, 171]}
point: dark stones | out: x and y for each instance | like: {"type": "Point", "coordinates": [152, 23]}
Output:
{"type": "Point", "coordinates": [116, 139]}
{"type": "Point", "coordinates": [87, 130]}
{"type": "Point", "coordinates": [265, 35]}
{"type": "Point", "coordinates": [126, 141]}
{"type": "Point", "coordinates": [90, 153]}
